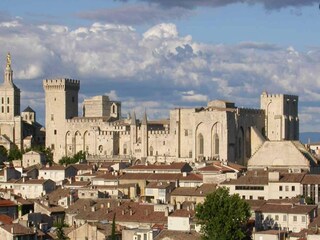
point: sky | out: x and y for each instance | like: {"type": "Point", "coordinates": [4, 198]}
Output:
{"type": "Point", "coordinates": [156, 55]}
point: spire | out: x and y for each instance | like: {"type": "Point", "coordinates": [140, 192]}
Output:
{"type": "Point", "coordinates": [133, 118]}
{"type": "Point", "coordinates": [144, 119]}
{"type": "Point", "coordinates": [8, 74]}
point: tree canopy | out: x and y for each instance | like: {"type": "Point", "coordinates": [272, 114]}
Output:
{"type": "Point", "coordinates": [223, 216]}
{"type": "Point", "coordinates": [78, 157]}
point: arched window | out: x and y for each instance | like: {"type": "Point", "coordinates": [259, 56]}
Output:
{"type": "Point", "coordinates": [151, 151]}
{"type": "Point", "coordinates": [124, 149]}
{"type": "Point", "coordinates": [113, 108]}
{"type": "Point", "coordinates": [201, 144]}
{"type": "Point", "coordinates": [216, 144]}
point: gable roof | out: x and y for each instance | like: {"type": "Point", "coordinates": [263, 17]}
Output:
{"type": "Point", "coordinates": [281, 154]}
{"type": "Point", "coordinates": [28, 109]}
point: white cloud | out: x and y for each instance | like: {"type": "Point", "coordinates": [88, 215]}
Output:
{"type": "Point", "coordinates": [159, 59]}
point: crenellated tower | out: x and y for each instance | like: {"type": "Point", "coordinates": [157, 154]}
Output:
{"type": "Point", "coordinates": [281, 116]}
{"type": "Point", "coordinates": [61, 101]}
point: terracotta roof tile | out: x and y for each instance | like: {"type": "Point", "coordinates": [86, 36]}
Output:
{"type": "Point", "coordinates": [311, 179]}
{"type": "Point", "coordinates": [17, 229]}
{"type": "Point", "coordinates": [173, 166]}
{"type": "Point", "coordinates": [203, 190]}
{"type": "Point", "coordinates": [183, 213]}
{"type": "Point", "coordinates": [287, 208]}
{"type": "Point", "coordinates": [7, 203]}
{"type": "Point", "coordinates": [5, 219]}
{"type": "Point", "coordinates": [178, 235]}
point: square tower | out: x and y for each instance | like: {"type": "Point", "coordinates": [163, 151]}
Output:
{"type": "Point", "coordinates": [281, 116]}
{"type": "Point", "coordinates": [61, 101]}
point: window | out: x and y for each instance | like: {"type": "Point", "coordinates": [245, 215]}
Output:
{"type": "Point", "coordinates": [293, 188]}
{"type": "Point", "coordinates": [8, 100]}
{"type": "Point", "coordinates": [186, 132]}
{"type": "Point", "coordinates": [52, 118]}
{"type": "Point", "coordinates": [151, 151]}
{"type": "Point", "coordinates": [251, 197]}
{"type": "Point", "coordinates": [164, 142]}
{"type": "Point", "coordinates": [2, 100]}
{"type": "Point", "coordinates": [284, 218]}
{"type": "Point", "coordinates": [280, 188]}
{"type": "Point", "coordinates": [303, 218]}
{"type": "Point", "coordinates": [294, 218]}
{"type": "Point", "coordinates": [287, 188]}
{"type": "Point", "coordinates": [276, 217]}
{"type": "Point", "coordinates": [243, 197]}
{"type": "Point", "coordinates": [2, 109]}
{"type": "Point", "coordinates": [8, 109]}
{"type": "Point", "coordinates": [55, 132]}
{"type": "Point", "coordinates": [260, 198]}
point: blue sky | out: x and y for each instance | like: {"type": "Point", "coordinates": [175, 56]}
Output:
{"type": "Point", "coordinates": [157, 55]}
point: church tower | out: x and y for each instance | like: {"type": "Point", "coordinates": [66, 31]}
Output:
{"type": "Point", "coordinates": [9, 95]}
{"type": "Point", "coordinates": [61, 101]}
{"type": "Point", "coordinates": [10, 120]}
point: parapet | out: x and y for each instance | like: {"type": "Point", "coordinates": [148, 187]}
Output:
{"type": "Point", "coordinates": [61, 84]}
{"type": "Point", "coordinates": [275, 96]}
{"type": "Point", "coordinates": [221, 104]}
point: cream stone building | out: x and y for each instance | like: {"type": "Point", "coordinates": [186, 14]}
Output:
{"type": "Point", "coordinates": [219, 130]}
{"type": "Point", "coordinates": [17, 129]}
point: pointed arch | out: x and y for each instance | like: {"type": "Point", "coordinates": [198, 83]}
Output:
{"type": "Point", "coordinates": [69, 148]}
{"type": "Point", "coordinates": [78, 142]}
{"type": "Point", "coordinates": [240, 146]}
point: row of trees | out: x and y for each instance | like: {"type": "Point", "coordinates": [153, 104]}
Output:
{"type": "Point", "coordinates": [16, 154]}
{"type": "Point", "coordinates": [78, 157]}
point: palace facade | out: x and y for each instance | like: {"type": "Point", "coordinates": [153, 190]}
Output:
{"type": "Point", "coordinates": [220, 130]}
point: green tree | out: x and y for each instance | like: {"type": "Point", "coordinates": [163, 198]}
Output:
{"type": "Point", "coordinates": [113, 230]}
{"type": "Point", "coordinates": [14, 154]}
{"type": "Point", "coordinates": [223, 216]}
{"type": "Point", "coordinates": [78, 157]}
{"type": "Point", "coordinates": [60, 224]}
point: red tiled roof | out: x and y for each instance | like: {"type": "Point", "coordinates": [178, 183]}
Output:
{"type": "Point", "coordinates": [7, 203]}
{"type": "Point", "coordinates": [17, 229]}
{"type": "Point", "coordinates": [183, 213]}
{"type": "Point", "coordinates": [286, 208]}
{"type": "Point", "coordinates": [203, 190]}
{"type": "Point", "coordinates": [173, 166]}
{"type": "Point", "coordinates": [311, 179]}
{"type": "Point", "coordinates": [5, 219]}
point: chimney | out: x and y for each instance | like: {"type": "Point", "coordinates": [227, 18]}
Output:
{"type": "Point", "coordinates": [184, 174]}
{"type": "Point", "coordinates": [93, 209]}
{"type": "Point", "coordinates": [131, 212]}
{"type": "Point", "coordinates": [274, 176]}
{"type": "Point", "coordinates": [108, 204]}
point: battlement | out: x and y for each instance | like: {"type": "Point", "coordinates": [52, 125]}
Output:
{"type": "Point", "coordinates": [250, 111]}
{"type": "Point", "coordinates": [61, 84]}
{"type": "Point", "coordinates": [277, 96]}
{"type": "Point", "coordinates": [158, 132]}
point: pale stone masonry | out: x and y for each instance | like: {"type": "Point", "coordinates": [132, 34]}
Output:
{"type": "Point", "coordinates": [16, 129]}
{"type": "Point", "coordinates": [219, 130]}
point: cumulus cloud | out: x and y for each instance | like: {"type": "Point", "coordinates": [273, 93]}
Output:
{"type": "Point", "coordinates": [136, 14]}
{"type": "Point", "coordinates": [268, 4]}
{"type": "Point", "coordinates": [191, 96]}
{"type": "Point", "coordinates": [148, 70]}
